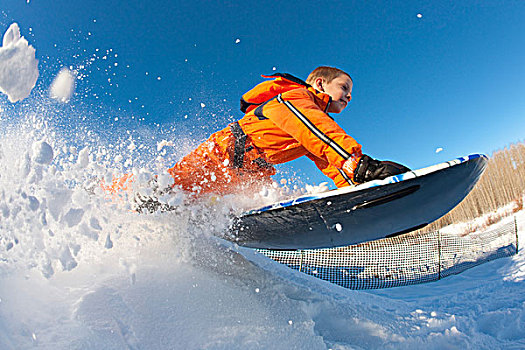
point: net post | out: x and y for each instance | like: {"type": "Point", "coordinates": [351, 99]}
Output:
{"type": "Point", "coordinates": [439, 254]}
{"type": "Point", "coordinates": [516, 230]}
{"type": "Point", "coordinates": [301, 260]}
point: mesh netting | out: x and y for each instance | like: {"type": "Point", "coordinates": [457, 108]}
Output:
{"type": "Point", "coordinates": [398, 261]}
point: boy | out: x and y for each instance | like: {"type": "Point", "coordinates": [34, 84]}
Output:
{"type": "Point", "coordinates": [285, 118]}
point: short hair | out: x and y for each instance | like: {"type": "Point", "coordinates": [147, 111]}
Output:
{"type": "Point", "coordinates": [328, 73]}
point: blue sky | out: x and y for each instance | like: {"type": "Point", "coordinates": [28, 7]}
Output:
{"type": "Point", "coordinates": [452, 77]}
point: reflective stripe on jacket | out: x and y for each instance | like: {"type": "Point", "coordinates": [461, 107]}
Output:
{"type": "Point", "coordinates": [294, 123]}
{"type": "Point", "coordinates": [285, 119]}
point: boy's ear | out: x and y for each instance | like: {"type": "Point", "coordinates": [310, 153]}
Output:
{"type": "Point", "coordinates": [318, 84]}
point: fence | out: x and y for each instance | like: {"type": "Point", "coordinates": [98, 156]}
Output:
{"type": "Point", "coordinates": [403, 260]}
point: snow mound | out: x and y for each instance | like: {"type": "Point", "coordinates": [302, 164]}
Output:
{"type": "Point", "coordinates": [18, 65]}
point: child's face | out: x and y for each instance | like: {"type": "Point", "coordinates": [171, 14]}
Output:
{"type": "Point", "coordinates": [340, 90]}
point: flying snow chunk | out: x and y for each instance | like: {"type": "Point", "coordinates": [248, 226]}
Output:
{"type": "Point", "coordinates": [164, 143]}
{"type": "Point", "coordinates": [63, 85]}
{"type": "Point", "coordinates": [439, 149]}
{"type": "Point", "coordinates": [419, 15]}
{"type": "Point", "coordinates": [42, 152]}
{"type": "Point", "coordinates": [18, 65]}
{"type": "Point", "coordinates": [83, 158]}
{"type": "Point", "coordinates": [237, 41]}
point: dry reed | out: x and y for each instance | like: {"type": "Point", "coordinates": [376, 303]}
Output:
{"type": "Point", "coordinates": [502, 183]}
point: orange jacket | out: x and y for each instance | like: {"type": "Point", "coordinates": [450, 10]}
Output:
{"type": "Point", "coordinates": [286, 118]}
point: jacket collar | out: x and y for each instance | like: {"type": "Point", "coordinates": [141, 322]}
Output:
{"type": "Point", "coordinates": [324, 100]}
{"type": "Point", "coordinates": [264, 91]}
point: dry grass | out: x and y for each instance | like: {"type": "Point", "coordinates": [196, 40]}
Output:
{"type": "Point", "coordinates": [502, 183]}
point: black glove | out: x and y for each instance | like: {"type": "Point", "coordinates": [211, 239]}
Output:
{"type": "Point", "coordinates": [369, 169]}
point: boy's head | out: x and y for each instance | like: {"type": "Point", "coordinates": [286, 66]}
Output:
{"type": "Point", "coordinates": [334, 82]}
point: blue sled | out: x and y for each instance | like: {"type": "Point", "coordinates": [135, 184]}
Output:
{"type": "Point", "coordinates": [370, 211]}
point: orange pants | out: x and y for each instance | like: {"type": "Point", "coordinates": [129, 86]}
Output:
{"type": "Point", "coordinates": [227, 162]}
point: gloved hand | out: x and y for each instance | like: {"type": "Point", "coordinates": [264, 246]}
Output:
{"type": "Point", "coordinates": [369, 169]}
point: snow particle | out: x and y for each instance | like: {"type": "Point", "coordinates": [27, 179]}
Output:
{"type": "Point", "coordinates": [203, 105]}
{"type": "Point", "coordinates": [237, 40]}
{"type": "Point", "coordinates": [453, 330]}
{"type": "Point", "coordinates": [83, 158]}
{"type": "Point", "coordinates": [63, 85]}
{"type": "Point", "coordinates": [42, 152]}
{"type": "Point", "coordinates": [419, 15]}
{"type": "Point", "coordinates": [439, 149]}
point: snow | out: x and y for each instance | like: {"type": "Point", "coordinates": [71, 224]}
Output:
{"type": "Point", "coordinates": [164, 143]}
{"type": "Point", "coordinates": [481, 222]}
{"type": "Point", "coordinates": [63, 85]}
{"type": "Point", "coordinates": [42, 152]}
{"type": "Point", "coordinates": [18, 65]}
{"type": "Point", "coordinates": [80, 270]}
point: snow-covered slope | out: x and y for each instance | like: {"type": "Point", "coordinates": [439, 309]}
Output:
{"type": "Point", "coordinates": [78, 271]}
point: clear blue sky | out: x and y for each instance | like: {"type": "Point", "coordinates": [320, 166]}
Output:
{"type": "Point", "coordinates": [453, 77]}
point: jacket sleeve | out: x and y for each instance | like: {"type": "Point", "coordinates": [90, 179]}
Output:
{"type": "Point", "coordinates": [297, 114]}
{"type": "Point", "coordinates": [332, 172]}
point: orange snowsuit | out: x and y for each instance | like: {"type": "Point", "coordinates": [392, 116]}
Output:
{"type": "Point", "coordinates": [285, 119]}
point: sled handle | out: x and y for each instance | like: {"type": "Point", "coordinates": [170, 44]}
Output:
{"type": "Point", "coordinates": [388, 198]}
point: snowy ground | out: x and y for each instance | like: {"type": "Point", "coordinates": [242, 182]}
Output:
{"type": "Point", "coordinates": [80, 272]}
{"type": "Point", "coordinates": [219, 300]}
